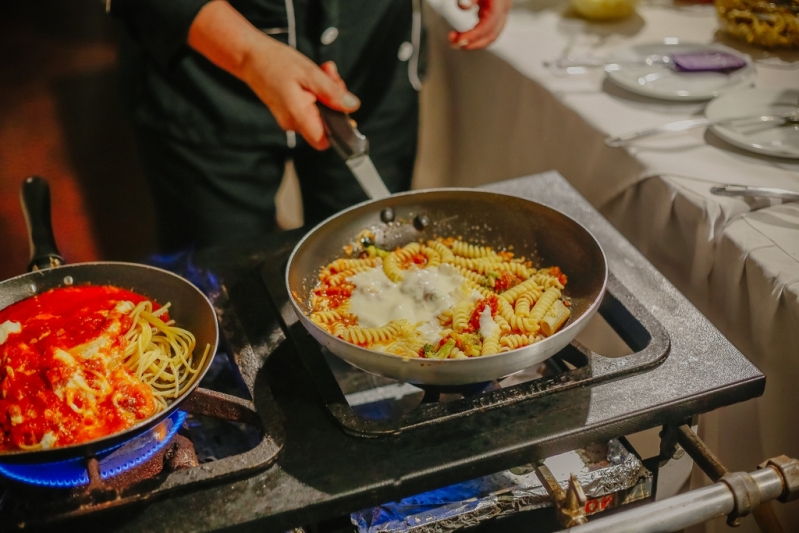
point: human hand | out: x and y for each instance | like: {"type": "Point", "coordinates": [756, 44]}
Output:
{"type": "Point", "coordinates": [491, 15]}
{"type": "Point", "coordinates": [286, 81]}
{"type": "Point", "coordinates": [290, 84]}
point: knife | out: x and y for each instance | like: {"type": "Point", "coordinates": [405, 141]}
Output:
{"type": "Point", "coordinates": [353, 147]}
{"type": "Point", "coordinates": [756, 192]}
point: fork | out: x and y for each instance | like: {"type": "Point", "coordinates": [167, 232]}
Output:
{"type": "Point", "coordinates": [682, 125]}
{"type": "Point", "coordinates": [567, 62]}
{"type": "Point", "coordinates": [755, 192]}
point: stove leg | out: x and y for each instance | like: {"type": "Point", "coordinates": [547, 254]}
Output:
{"type": "Point", "coordinates": [674, 468]}
{"type": "Point", "coordinates": [706, 460]}
{"type": "Point", "coordinates": [93, 469]}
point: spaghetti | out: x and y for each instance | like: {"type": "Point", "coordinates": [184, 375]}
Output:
{"type": "Point", "coordinates": [80, 363]}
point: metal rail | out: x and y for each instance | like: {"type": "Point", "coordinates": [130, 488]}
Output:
{"type": "Point", "coordinates": [697, 506]}
{"type": "Point", "coordinates": [735, 494]}
{"type": "Point", "coordinates": [712, 467]}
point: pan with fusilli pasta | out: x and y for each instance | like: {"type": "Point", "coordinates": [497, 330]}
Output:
{"type": "Point", "coordinates": [444, 298]}
{"type": "Point", "coordinates": [474, 290]}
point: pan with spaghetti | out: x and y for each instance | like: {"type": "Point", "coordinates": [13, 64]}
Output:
{"type": "Point", "coordinates": [494, 271]}
{"type": "Point", "coordinates": [92, 355]}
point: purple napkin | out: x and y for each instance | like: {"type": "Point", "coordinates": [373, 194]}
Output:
{"type": "Point", "coordinates": [706, 60]}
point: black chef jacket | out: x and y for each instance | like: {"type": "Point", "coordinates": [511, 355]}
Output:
{"type": "Point", "coordinates": [212, 151]}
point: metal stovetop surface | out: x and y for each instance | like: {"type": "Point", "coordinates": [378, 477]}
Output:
{"type": "Point", "coordinates": [323, 472]}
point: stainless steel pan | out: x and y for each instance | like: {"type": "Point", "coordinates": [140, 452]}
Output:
{"type": "Point", "coordinates": [535, 231]}
{"type": "Point", "coordinates": [190, 309]}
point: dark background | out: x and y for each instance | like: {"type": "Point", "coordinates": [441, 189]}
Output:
{"type": "Point", "coordinates": [60, 118]}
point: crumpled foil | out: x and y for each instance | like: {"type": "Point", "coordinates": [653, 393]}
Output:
{"type": "Point", "coordinates": [601, 470]}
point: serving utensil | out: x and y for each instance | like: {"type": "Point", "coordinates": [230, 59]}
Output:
{"type": "Point", "coordinates": [755, 192]}
{"type": "Point", "coordinates": [353, 147]}
{"type": "Point", "coordinates": [696, 61]}
{"type": "Point", "coordinates": [567, 62]}
{"type": "Point", "coordinates": [682, 125]}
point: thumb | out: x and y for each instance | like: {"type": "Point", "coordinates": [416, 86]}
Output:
{"type": "Point", "coordinates": [465, 4]}
{"type": "Point", "coordinates": [332, 94]}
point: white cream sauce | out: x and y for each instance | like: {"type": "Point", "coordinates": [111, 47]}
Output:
{"type": "Point", "coordinates": [7, 328]}
{"type": "Point", "coordinates": [419, 298]}
{"type": "Point", "coordinates": [487, 325]}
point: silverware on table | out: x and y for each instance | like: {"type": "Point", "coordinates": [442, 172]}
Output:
{"type": "Point", "coordinates": [682, 125]}
{"type": "Point", "coordinates": [755, 192]}
{"type": "Point", "coordinates": [566, 62]}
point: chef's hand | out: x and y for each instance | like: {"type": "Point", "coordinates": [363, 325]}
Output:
{"type": "Point", "coordinates": [289, 83]}
{"type": "Point", "coordinates": [491, 15]}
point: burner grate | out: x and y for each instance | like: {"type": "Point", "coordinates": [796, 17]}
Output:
{"type": "Point", "coordinates": [158, 469]}
{"type": "Point", "coordinates": [121, 458]}
{"type": "Point", "coordinates": [574, 366]}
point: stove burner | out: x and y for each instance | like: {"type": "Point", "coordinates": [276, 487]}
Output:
{"type": "Point", "coordinates": [120, 458]}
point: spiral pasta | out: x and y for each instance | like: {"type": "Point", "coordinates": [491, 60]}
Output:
{"type": "Point", "coordinates": [392, 269]}
{"type": "Point", "coordinates": [433, 257]}
{"type": "Point", "coordinates": [446, 254]}
{"type": "Point", "coordinates": [465, 249]}
{"type": "Point", "coordinates": [510, 295]}
{"type": "Point", "coordinates": [499, 302]}
{"type": "Point", "coordinates": [368, 336]}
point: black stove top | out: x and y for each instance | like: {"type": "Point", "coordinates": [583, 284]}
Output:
{"type": "Point", "coordinates": [336, 459]}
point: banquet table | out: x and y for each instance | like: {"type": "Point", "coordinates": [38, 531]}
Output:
{"type": "Point", "coordinates": [499, 113]}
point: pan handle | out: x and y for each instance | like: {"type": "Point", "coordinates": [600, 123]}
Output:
{"type": "Point", "coordinates": [35, 199]}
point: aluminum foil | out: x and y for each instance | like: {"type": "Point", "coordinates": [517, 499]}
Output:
{"type": "Point", "coordinates": [602, 470]}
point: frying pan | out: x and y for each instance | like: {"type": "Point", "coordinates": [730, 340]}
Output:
{"type": "Point", "coordinates": [535, 231]}
{"type": "Point", "coordinates": [190, 309]}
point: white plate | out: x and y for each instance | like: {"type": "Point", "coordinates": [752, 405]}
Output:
{"type": "Point", "coordinates": [770, 138]}
{"type": "Point", "coordinates": [665, 83]}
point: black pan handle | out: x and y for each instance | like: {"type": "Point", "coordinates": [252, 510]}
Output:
{"type": "Point", "coordinates": [36, 207]}
{"type": "Point", "coordinates": [343, 133]}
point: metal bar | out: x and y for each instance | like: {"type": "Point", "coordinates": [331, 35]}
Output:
{"type": "Point", "coordinates": [701, 454]}
{"type": "Point", "coordinates": [220, 405]}
{"type": "Point", "coordinates": [706, 460]}
{"type": "Point", "coordinates": [688, 509]}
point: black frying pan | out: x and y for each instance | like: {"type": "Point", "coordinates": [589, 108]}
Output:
{"type": "Point", "coordinates": [190, 308]}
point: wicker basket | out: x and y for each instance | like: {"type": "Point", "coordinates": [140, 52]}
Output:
{"type": "Point", "coordinates": [768, 24]}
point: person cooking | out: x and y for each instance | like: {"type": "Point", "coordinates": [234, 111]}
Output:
{"type": "Point", "coordinates": [223, 93]}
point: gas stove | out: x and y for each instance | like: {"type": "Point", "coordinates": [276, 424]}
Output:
{"type": "Point", "coordinates": [313, 452]}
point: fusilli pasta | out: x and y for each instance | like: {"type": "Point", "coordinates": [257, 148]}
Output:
{"type": "Point", "coordinates": [501, 303]}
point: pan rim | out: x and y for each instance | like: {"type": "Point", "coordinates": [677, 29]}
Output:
{"type": "Point", "coordinates": [587, 315]}
{"type": "Point", "coordinates": [99, 263]}
{"type": "Point", "coordinates": [96, 446]}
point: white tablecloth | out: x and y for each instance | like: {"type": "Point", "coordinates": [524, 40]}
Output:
{"type": "Point", "coordinates": [500, 113]}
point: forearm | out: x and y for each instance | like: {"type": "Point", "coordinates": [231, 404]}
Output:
{"type": "Point", "coordinates": [225, 37]}
{"type": "Point", "coordinates": [286, 81]}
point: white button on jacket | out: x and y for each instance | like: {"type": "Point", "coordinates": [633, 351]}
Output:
{"type": "Point", "coordinates": [329, 35]}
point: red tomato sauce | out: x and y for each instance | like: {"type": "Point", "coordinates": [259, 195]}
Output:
{"type": "Point", "coordinates": [505, 281]}
{"type": "Point", "coordinates": [474, 320]}
{"type": "Point", "coordinates": [335, 295]}
{"type": "Point", "coordinates": [62, 377]}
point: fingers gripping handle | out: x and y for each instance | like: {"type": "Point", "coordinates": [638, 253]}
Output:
{"type": "Point", "coordinates": [36, 207]}
{"type": "Point", "coordinates": [343, 134]}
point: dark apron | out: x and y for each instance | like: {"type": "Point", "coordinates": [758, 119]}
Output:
{"type": "Point", "coordinates": [213, 153]}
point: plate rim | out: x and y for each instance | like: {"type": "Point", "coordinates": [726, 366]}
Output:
{"type": "Point", "coordinates": [744, 84]}
{"type": "Point", "coordinates": [721, 131]}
